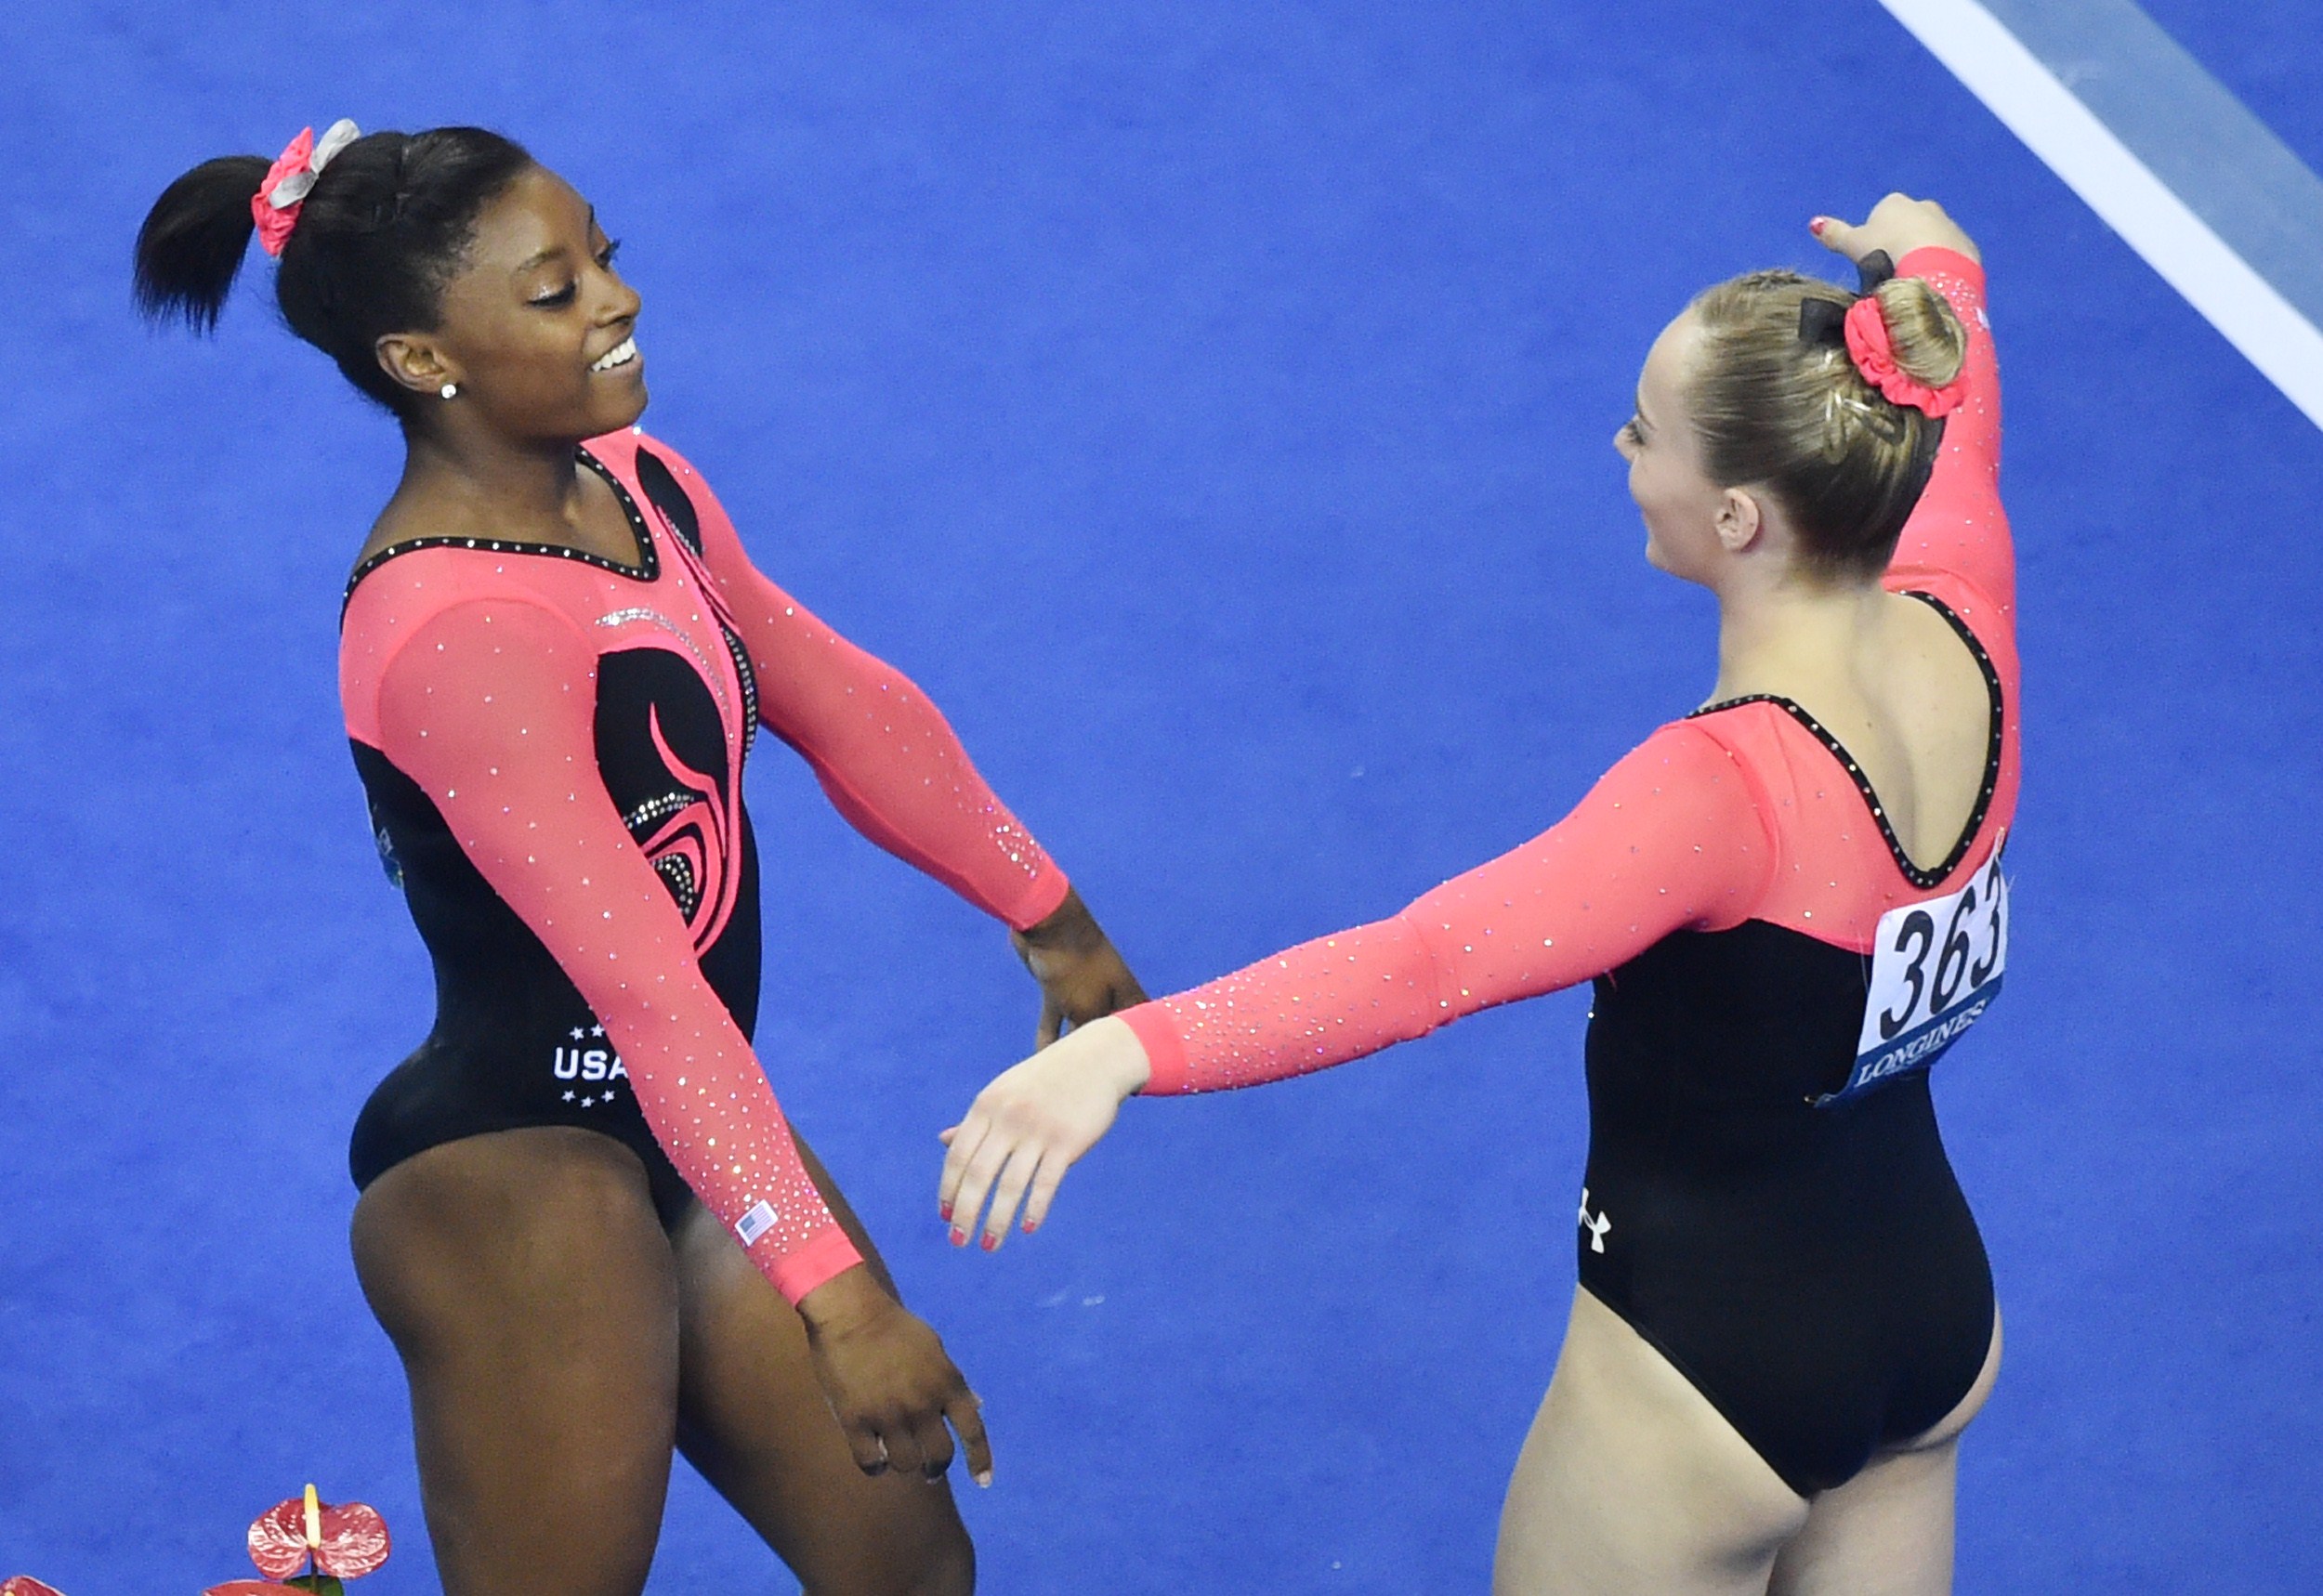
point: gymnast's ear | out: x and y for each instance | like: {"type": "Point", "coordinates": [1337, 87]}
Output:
{"type": "Point", "coordinates": [1741, 520]}
{"type": "Point", "coordinates": [413, 362]}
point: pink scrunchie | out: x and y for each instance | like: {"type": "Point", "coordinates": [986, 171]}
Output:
{"type": "Point", "coordinates": [1868, 345]}
{"type": "Point", "coordinates": [275, 225]}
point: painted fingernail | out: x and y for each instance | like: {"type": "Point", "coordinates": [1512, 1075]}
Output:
{"type": "Point", "coordinates": [1818, 225]}
{"type": "Point", "coordinates": [943, 1211]}
{"type": "Point", "coordinates": [1031, 1226]}
{"type": "Point", "coordinates": [984, 1479]}
{"type": "Point", "coordinates": [991, 1241]}
{"type": "Point", "coordinates": [958, 1236]}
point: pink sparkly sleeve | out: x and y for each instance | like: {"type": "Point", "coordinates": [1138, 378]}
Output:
{"type": "Point", "coordinates": [489, 706]}
{"type": "Point", "coordinates": [885, 755]}
{"type": "Point", "coordinates": [1958, 528]}
{"type": "Point", "coordinates": [1671, 838]}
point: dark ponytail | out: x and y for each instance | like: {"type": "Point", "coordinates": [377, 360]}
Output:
{"type": "Point", "coordinates": [189, 250]}
{"type": "Point", "coordinates": [383, 230]}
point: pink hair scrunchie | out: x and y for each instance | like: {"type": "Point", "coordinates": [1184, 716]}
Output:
{"type": "Point", "coordinates": [1874, 356]}
{"type": "Point", "coordinates": [283, 194]}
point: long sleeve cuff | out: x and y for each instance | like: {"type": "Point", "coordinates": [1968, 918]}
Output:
{"type": "Point", "coordinates": [1041, 898]}
{"type": "Point", "coordinates": [795, 1273]}
{"type": "Point", "coordinates": [1165, 1050]}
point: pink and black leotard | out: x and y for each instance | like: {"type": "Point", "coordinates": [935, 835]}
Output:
{"type": "Point", "coordinates": [552, 745]}
{"type": "Point", "coordinates": [1767, 1201]}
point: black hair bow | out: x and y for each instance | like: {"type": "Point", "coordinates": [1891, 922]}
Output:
{"type": "Point", "coordinates": [1825, 321]}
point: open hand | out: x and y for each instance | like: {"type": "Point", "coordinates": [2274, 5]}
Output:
{"type": "Point", "coordinates": [1025, 1129]}
{"type": "Point", "coordinates": [890, 1382]}
{"type": "Point", "coordinates": [1898, 225]}
{"type": "Point", "coordinates": [1082, 978]}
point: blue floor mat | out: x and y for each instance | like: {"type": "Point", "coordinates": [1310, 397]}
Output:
{"type": "Point", "coordinates": [1211, 406]}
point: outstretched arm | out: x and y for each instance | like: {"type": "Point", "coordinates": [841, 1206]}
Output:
{"type": "Point", "coordinates": [893, 766]}
{"type": "Point", "coordinates": [1671, 838]}
{"type": "Point", "coordinates": [885, 755]}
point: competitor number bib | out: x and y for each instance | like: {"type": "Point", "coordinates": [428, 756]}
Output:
{"type": "Point", "coordinates": [1935, 967]}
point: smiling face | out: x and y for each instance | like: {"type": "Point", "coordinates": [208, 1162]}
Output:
{"type": "Point", "coordinates": [1683, 508]}
{"type": "Point", "coordinates": [536, 328]}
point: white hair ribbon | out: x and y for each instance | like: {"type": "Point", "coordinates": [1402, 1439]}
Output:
{"type": "Point", "coordinates": [298, 185]}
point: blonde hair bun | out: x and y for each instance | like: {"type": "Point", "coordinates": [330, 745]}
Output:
{"type": "Point", "coordinates": [1929, 342]}
{"type": "Point", "coordinates": [1780, 410]}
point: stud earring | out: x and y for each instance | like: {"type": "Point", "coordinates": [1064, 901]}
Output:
{"type": "Point", "coordinates": [450, 391]}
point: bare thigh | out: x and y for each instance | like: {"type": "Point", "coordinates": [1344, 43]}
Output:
{"type": "Point", "coordinates": [1630, 1482]}
{"type": "Point", "coordinates": [1888, 1531]}
{"type": "Point", "coordinates": [753, 1419]}
{"type": "Point", "coordinates": [526, 1281]}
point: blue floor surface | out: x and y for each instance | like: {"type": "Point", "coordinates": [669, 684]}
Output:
{"type": "Point", "coordinates": [1211, 405]}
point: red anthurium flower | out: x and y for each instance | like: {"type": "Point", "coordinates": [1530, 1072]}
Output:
{"type": "Point", "coordinates": [344, 1541]}
{"type": "Point", "coordinates": [25, 1585]}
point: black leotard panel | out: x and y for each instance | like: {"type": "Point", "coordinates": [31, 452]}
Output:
{"type": "Point", "coordinates": [1814, 1271]}
{"type": "Point", "coordinates": [553, 743]}
{"type": "Point", "coordinates": [514, 1043]}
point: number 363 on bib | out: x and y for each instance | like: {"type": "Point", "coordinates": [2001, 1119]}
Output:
{"type": "Point", "coordinates": [1935, 967]}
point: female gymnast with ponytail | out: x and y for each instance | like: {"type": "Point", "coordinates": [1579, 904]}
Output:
{"type": "Point", "coordinates": [584, 1221]}
{"type": "Point", "coordinates": [1790, 901]}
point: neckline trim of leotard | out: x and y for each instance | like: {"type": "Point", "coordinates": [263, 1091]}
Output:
{"type": "Point", "coordinates": [1990, 784]}
{"type": "Point", "coordinates": [646, 570]}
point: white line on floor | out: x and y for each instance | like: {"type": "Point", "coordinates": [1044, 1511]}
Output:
{"type": "Point", "coordinates": [2056, 126]}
